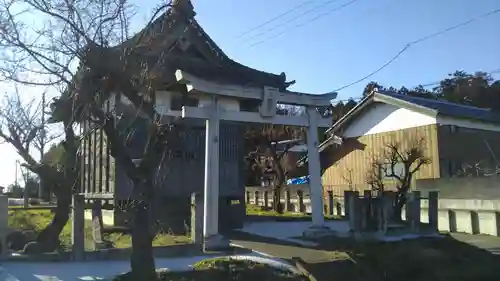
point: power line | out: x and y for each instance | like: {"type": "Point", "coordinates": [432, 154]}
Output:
{"type": "Point", "coordinates": [407, 46]}
{"type": "Point", "coordinates": [494, 71]}
{"type": "Point", "coordinates": [274, 18]}
{"type": "Point", "coordinates": [307, 22]}
{"type": "Point", "coordinates": [292, 19]}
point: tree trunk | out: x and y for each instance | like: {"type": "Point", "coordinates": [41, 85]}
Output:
{"type": "Point", "coordinates": [399, 203]}
{"type": "Point", "coordinates": [142, 261]}
{"type": "Point", "coordinates": [277, 206]}
{"type": "Point", "coordinates": [48, 238]}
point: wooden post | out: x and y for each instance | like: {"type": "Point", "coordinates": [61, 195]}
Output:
{"type": "Point", "coordinates": [288, 203]}
{"type": "Point", "coordinates": [433, 209]}
{"type": "Point", "coordinates": [386, 211]}
{"type": "Point", "coordinates": [266, 199]}
{"type": "Point", "coordinates": [408, 209]}
{"type": "Point", "coordinates": [78, 225]}
{"type": "Point", "coordinates": [338, 208]}
{"type": "Point", "coordinates": [197, 219]}
{"type": "Point", "coordinates": [353, 204]}
{"type": "Point", "coordinates": [331, 203]}
{"type": "Point", "coordinates": [366, 209]}
{"type": "Point", "coordinates": [300, 201]}
{"type": "Point", "coordinates": [415, 209]}
{"type": "Point", "coordinates": [97, 225]}
{"type": "Point", "coordinates": [347, 201]}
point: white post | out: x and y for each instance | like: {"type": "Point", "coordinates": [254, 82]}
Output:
{"type": "Point", "coordinates": [4, 225]}
{"type": "Point", "coordinates": [212, 239]}
{"type": "Point", "coordinates": [315, 187]}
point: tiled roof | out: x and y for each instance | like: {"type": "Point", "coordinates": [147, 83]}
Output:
{"type": "Point", "coordinates": [448, 108]}
{"type": "Point", "coordinates": [428, 106]}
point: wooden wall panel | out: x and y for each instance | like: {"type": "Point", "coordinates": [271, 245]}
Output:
{"type": "Point", "coordinates": [98, 166]}
{"type": "Point", "coordinates": [353, 159]}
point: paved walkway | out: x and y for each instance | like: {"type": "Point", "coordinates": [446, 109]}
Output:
{"type": "Point", "coordinates": [104, 270]}
{"type": "Point", "coordinates": [290, 230]}
{"type": "Point", "coordinates": [489, 243]}
{"type": "Point", "coordinates": [277, 239]}
{"type": "Point", "coordinates": [321, 264]}
{"type": "Point", "coordinates": [77, 271]}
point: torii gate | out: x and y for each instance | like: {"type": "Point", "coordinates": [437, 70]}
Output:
{"type": "Point", "coordinates": [220, 102]}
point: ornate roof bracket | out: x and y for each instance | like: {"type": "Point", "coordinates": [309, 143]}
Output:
{"type": "Point", "coordinates": [197, 85]}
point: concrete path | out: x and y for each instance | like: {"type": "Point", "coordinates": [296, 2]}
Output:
{"type": "Point", "coordinates": [289, 230]}
{"type": "Point", "coordinates": [105, 270]}
{"type": "Point", "coordinates": [321, 264]}
{"type": "Point", "coordinates": [486, 242]}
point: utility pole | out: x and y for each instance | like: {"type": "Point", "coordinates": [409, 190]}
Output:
{"type": "Point", "coordinates": [26, 197]}
{"type": "Point", "coordinates": [15, 174]}
{"type": "Point", "coordinates": [42, 147]}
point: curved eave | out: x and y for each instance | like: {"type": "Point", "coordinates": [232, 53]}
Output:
{"type": "Point", "coordinates": [270, 79]}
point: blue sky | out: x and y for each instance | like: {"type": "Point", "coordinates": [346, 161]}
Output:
{"type": "Point", "coordinates": [343, 46]}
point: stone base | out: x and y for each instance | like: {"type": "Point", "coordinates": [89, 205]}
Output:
{"type": "Point", "coordinates": [317, 232]}
{"type": "Point", "coordinates": [216, 243]}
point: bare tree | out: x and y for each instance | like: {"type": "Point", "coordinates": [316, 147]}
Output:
{"type": "Point", "coordinates": [21, 127]}
{"type": "Point", "coordinates": [82, 49]}
{"type": "Point", "coordinates": [400, 164]}
{"type": "Point", "coordinates": [268, 155]}
{"type": "Point", "coordinates": [348, 178]}
{"type": "Point", "coordinates": [376, 174]}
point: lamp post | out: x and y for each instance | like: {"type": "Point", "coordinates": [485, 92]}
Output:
{"type": "Point", "coordinates": [25, 191]}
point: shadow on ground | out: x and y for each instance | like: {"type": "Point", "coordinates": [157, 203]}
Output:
{"type": "Point", "coordinates": [225, 269]}
{"type": "Point", "coordinates": [425, 259]}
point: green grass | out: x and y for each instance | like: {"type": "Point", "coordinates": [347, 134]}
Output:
{"type": "Point", "coordinates": [254, 210]}
{"type": "Point", "coordinates": [220, 269]}
{"type": "Point", "coordinates": [36, 220]}
{"type": "Point", "coordinates": [260, 211]}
